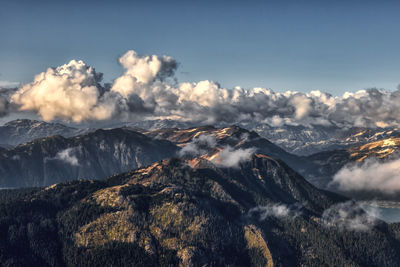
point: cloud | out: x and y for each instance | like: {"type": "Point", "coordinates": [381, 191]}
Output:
{"type": "Point", "coordinates": [369, 176]}
{"type": "Point", "coordinates": [277, 210]}
{"type": "Point", "coordinates": [148, 88]}
{"type": "Point", "coordinates": [68, 156]}
{"type": "Point", "coordinates": [199, 146]}
{"type": "Point", "coordinates": [349, 216]}
{"type": "Point", "coordinates": [71, 91]}
{"type": "Point", "coordinates": [230, 157]}
{"type": "Point", "coordinates": [224, 156]}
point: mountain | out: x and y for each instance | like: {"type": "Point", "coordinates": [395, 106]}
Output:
{"type": "Point", "coordinates": [94, 155]}
{"type": "Point", "coordinates": [234, 137]}
{"type": "Point", "coordinates": [189, 213]}
{"type": "Point", "coordinates": [302, 140]}
{"type": "Point", "coordinates": [330, 162]}
{"type": "Point", "coordinates": [55, 159]}
{"type": "Point", "coordinates": [23, 130]}
{"type": "Point", "coordinates": [296, 139]}
{"type": "Point", "coordinates": [160, 124]}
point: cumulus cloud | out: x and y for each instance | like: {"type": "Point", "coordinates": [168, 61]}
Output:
{"type": "Point", "coordinates": [277, 210]}
{"type": "Point", "coordinates": [350, 216]}
{"type": "Point", "coordinates": [148, 87]}
{"type": "Point", "coordinates": [71, 91]}
{"type": "Point", "coordinates": [199, 146]}
{"type": "Point", "coordinates": [230, 157]}
{"type": "Point", "coordinates": [371, 175]}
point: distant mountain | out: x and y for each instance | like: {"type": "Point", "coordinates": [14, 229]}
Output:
{"type": "Point", "coordinates": [54, 159]}
{"type": "Point", "coordinates": [235, 137]}
{"type": "Point", "coordinates": [160, 124]}
{"type": "Point", "coordinates": [6, 146]}
{"type": "Point", "coordinates": [190, 213]}
{"type": "Point", "coordinates": [302, 140]}
{"type": "Point", "coordinates": [95, 155]}
{"type": "Point", "coordinates": [23, 130]}
{"type": "Point", "coordinates": [330, 162]}
{"type": "Point", "coordinates": [299, 140]}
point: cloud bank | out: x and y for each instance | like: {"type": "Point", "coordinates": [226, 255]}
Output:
{"type": "Point", "coordinates": [370, 176]}
{"type": "Point", "coordinates": [349, 216]}
{"type": "Point", "coordinates": [148, 88]}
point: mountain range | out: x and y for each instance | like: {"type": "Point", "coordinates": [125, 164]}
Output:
{"type": "Point", "coordinates": [195, 196]}
{"type": "Point", "coordinates": [192, 212]}
{"type": "Point", "coordinates": [96, 154]}
{"type": "Point", "coordinates": [296, 139]}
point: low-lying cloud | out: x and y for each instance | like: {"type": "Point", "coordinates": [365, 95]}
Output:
{"type": "Point", "coordinates": [148, 87]}
{"type": "Point", "coordinates": [349, 216]}
{"type": "Point", "coordinates": [230, 157]}
{"type": "Point", "coordinates": [199, 146]}
{"type": "Point", "coordinates": [67, 156]}
{"type": "Point", "coordinates": [277, 210]}
{"type": "Point", "coordinates": [371, 175]}
{"type": "Point", "coordinates": [225, 156]}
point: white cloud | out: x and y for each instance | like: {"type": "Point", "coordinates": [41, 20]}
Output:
{"type": "Point", "coordinates": [369, 176]}
{"type": "Point", "coordinates": [199, 146]}
{"type": "Point", "coordinates": [277, 210]}
{"type": "Point", "coordinates": [349, 216]}
{"type": "Point", "coordinates": [230, 157]}
{"type": "Point", "coordinates": [147, 87]}
{"type": "Point", "coordinates": [68, 156]}
{"type": "Point", "coordinates": [69, 92]}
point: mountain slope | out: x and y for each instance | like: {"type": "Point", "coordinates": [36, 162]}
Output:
{"type": "Point", "coordinates": [94, 155]}
{"type": "Point", "coordinates": [188, 213]}
{"type": "Point", "coordinates": [235, 137]}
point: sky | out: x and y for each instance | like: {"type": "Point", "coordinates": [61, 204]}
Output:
{"type": "Point", "coordinates": [333, 46]}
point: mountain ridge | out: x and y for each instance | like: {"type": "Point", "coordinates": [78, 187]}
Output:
{"type": "Point", "coordinates": [170, 213]}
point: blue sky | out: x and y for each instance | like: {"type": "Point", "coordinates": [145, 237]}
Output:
{"type": "Point", "coordinates": [333, 46]}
